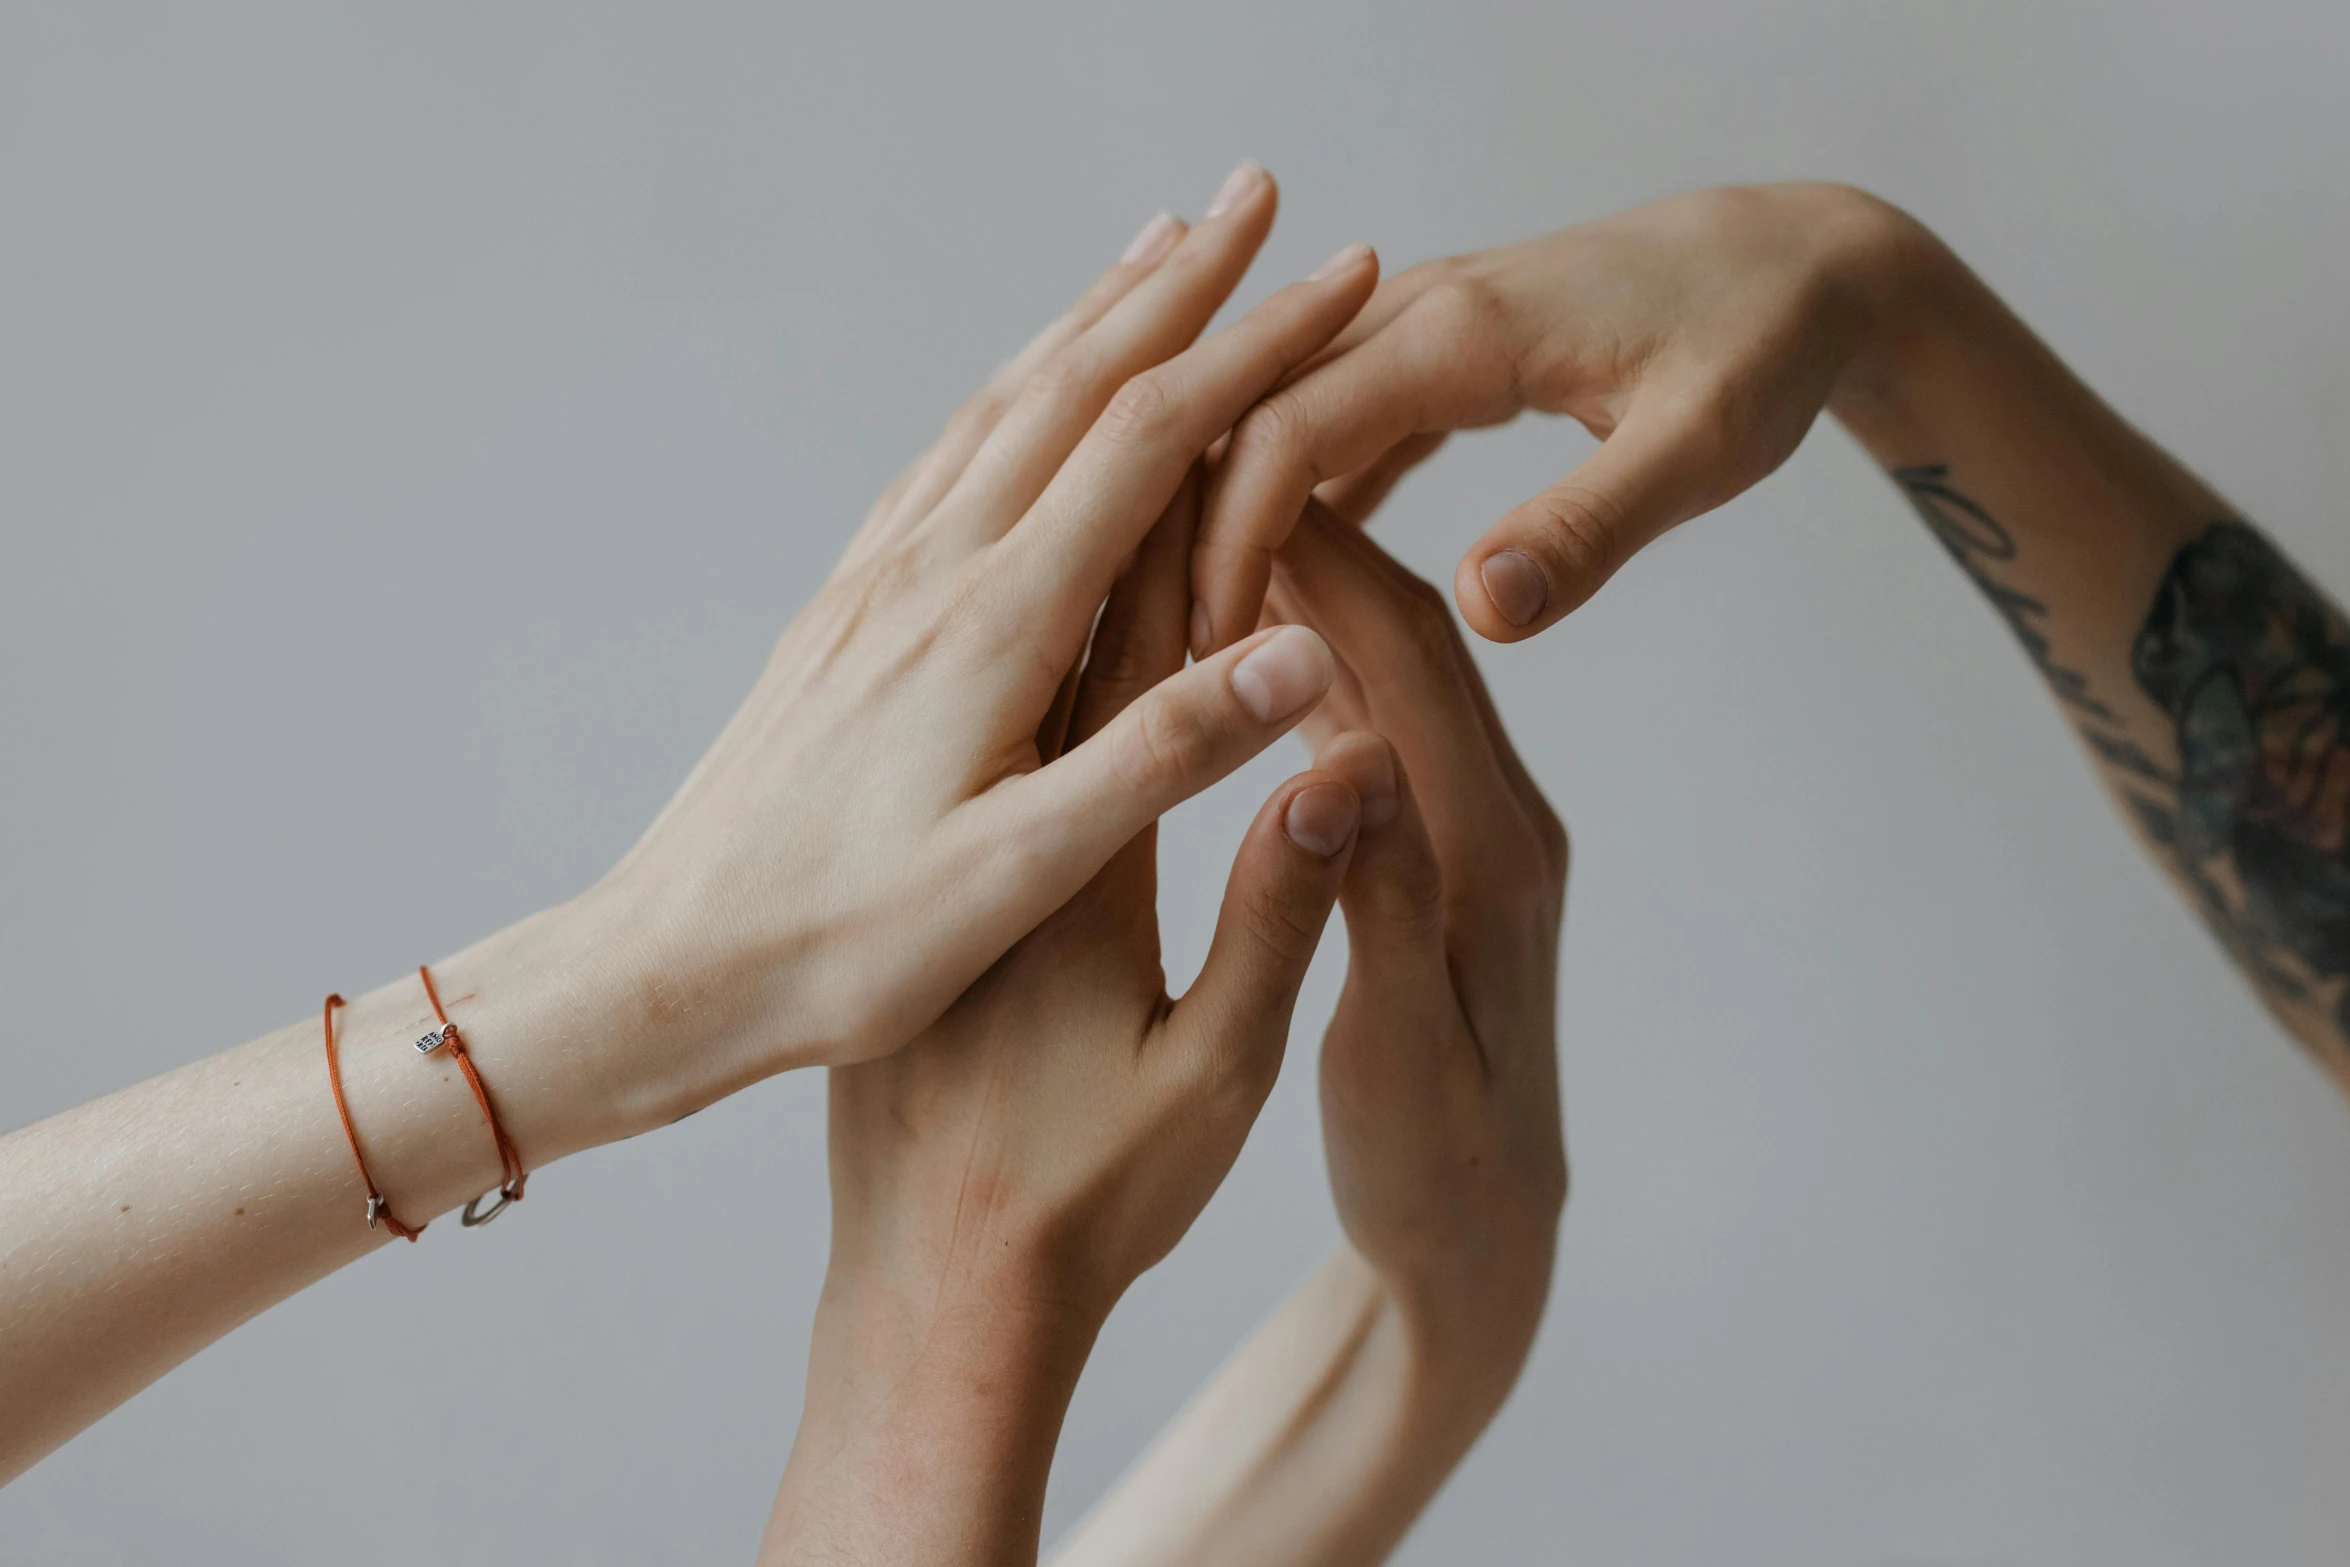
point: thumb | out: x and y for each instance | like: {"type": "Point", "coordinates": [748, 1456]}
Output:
{"type": "Point", "coordinates": [1660, 467]}
{"type": "Point", "coordinates": [1234, 1020]}
{"type": "Point", "coordinates": [1064, 821]}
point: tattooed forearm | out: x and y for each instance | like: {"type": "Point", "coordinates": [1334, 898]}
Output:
{"type": "Point", "coordinates": [1979, 542]}
{"type": "Point", "coordinates": [2252, 664]}
{"type": "Point", "coordinates": [2249, 666]}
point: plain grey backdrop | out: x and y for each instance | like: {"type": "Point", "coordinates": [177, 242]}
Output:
{"type": "Point", "coordinates": [417, 422]}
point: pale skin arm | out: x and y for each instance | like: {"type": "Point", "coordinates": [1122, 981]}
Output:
{"type": "Point", "coordinates": [1699, 338]}
{"type": "Point", "coordinates": [1319, 1441]}
{"type": "Point", "coordinates": [885, 774]}
{"type": "Point", "coordinates": [1326, 1435]}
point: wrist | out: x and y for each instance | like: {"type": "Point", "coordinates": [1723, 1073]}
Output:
{"type": "Point", "coordinates": [929, 1424]}
{"type": "Point", "coordinates": [1003, 1324]}
{"type": "Point", "coordinates": [1465, 1334]}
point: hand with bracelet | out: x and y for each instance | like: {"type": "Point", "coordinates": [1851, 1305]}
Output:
{"type": "Point", "coordinates": [1699, 338]}
{"type": "Point", "coordinates": [876, 827]}
{"type": "Point", "coordinates": [1329, 1431]}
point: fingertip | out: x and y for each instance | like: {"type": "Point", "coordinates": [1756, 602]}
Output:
{"type": "Point", "coordinates": [1322, 818]}
{"type": "Point", "coordinates": [1349, 259]}
{"type": "Point", "coordinates": [1368, 764]}
{"type": "Point", "coordinates": [1248, 183]}
{"type": "Point", "coordinates": [1283, 675]}
{"type": "Point", "coordinates": [1516, 586]}
{"type": "Point", "coordinates": [1503, 595]}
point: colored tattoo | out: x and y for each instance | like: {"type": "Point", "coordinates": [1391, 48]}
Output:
{"type": "Point", "coordinates": [2251, 665]}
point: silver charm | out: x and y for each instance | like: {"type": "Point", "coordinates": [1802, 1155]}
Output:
{"type": "Point", "coordinates": [375, 1205]}
{"type": "Point", "coordinates": [432, 1040]}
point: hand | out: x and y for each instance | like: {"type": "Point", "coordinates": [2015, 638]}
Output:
{"type": "Point", "coordinates": [877, 824]}
{"type": "Point", "coordinates": [1326, 1434]}
{"type": "Point", "coordinates": [1698, 338]}
{"type": "Point", "coordinates": [874, 828]}
{"type": "Point", "coordinates": [1000, 1181]}
{"type": "Point", "coordinates": [1440, 1109]}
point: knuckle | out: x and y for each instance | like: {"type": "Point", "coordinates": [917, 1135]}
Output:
{"type": "Point", "coordinates": [1584, 531]}
{"type": "Point", "coordinates": [1066, 376]}
{"type": "Point", "coordinates": [1227, 1078]}
{"type": "Point", "coordinates": [1118, 666]}
{"type": "Point", "coordinates": [1411, 899]}
{"type": "Point", "coordinates": [1273, 431]}
{"type": "Point", "coordinates": [981, 412]}
{"type": "Point", "coordinates": [1558, 847]}
{"type": "Point", "coordinates": [1173, 740]}
{"type": "Point", "coordinates": [1713, 426]}
{"type": "Point", "coordinates": [1282, 926]}
{"type": "Point", "coordinates": [1425, 622]}
{"type": "Point", "coordinates": [1139, 411]}
{"type": "Point", "coordinates": [1459, 304]}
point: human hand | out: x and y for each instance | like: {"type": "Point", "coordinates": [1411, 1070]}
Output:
{"type": "Point", "coordinates": [1440, 1108]}
{"type": "Point", "coordinates": [999, 1181]}
{"type": "Point", "coordinates": [877, 824]}
{"type": "Point", "coordinates": [1697, 337]}
{"type": "Point", "coordinates": [1328, 1431]}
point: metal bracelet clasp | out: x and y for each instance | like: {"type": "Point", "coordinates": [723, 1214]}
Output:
{"type": "Point", "coordinates": [476, 1216]}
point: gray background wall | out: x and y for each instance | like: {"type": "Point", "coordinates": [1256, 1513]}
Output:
{"type": "Point", "coordinates": [404, 383]}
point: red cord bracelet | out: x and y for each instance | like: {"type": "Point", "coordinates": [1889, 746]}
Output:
{"type": "Point", "coordinates": [377, 1208]}
{"type": "Point", "coordinates": [511, 1172]}
{"type": "Point", "coordinates": [509, 1189]}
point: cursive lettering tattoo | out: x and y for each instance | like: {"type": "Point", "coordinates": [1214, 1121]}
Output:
{"type": "Point", "coordinates": [1979, 542]}
{"type": "Point", "coordinates": [2250, 665]}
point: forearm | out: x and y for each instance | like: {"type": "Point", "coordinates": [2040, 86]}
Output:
{"type": "Point", "coordinates": [139, 1228]}
{"type": "Point", "coordinates": [2155, 633]}
{"type": "Point", "coordinates": [928, 1429]}
{"type": "Point", "coordinates": [1317, 1445]}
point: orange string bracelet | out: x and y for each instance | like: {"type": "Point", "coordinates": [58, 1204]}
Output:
{"type": "Point", "coordinates": [509, 1188]}
{"type": "Point", "coordinates": [377, 1208]}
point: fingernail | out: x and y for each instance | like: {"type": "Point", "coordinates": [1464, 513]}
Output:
{"type": "Point", "coordinates": [1236, 185]}
{"type": "Point", "coordinates": [1286, 672]}
{"type": "Point", "coordinates": [1321, 819]}
{"type": "Point", "coordinates": [1352, 256]}
{"type": "Point", "coordinates": [1375, 783]}
{"type": "Point", "coordinates": [1201, 630]}
{"type": "Point", "coordinates": [1155, 236]}
{"type": "Point", "coordinates": [1516, 585]}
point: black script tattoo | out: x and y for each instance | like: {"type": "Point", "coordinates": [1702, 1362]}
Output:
{"type": "Point", "coordinates": [1978, 542]}
{"type": "Point", "coordinates": [2251, 665]}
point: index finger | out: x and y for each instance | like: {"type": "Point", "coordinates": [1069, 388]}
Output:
{"type": "Point", "coordinates": [1437, 366]}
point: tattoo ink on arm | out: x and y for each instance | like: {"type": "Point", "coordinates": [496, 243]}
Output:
{"type": "Point", "coordinates": [2253, 666]}
{"type": "Point", "coordinates": [2250, 666]}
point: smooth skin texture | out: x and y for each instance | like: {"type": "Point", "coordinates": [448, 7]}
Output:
{"type": "Point", "coordinates": [876, 826]}
{"type": "Point", "coordinates": [1325, 1436]}
{"type": "Point", "coordinates": [998, 1183]}
{"type": "Point", "coordinates": [1699, 338]}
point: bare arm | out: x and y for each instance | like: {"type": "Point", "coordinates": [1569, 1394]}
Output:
{"type": "Point", "coordinates": [1318, 1442]}
{"type": "Point", "coordinates": [1699, 338]}
{"type": "Point", "coordinates": [883, 778]}
{"type": "Point", "coordinates": [2208, 678]}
